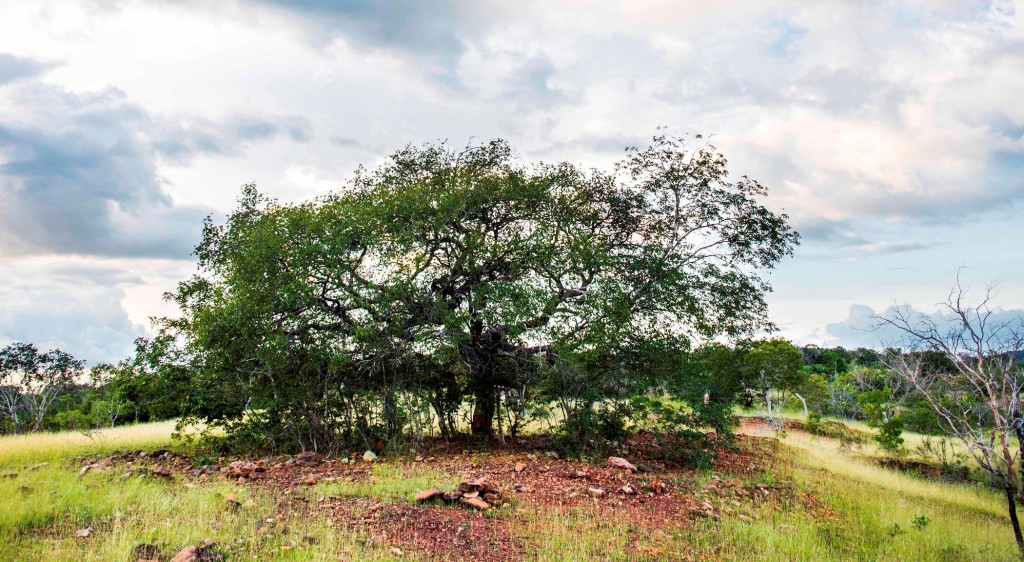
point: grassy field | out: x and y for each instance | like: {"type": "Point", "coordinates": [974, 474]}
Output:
{"type": "Point", "coordinates": [861, 512]}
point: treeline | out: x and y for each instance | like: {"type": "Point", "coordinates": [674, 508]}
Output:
{"type": "Point", "coordinates": [52, 390]}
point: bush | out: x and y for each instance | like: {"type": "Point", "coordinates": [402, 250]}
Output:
{"type": "Point", "coordinates": [813, 423]}
{"type": "Point", "coordinates": [889, 436]}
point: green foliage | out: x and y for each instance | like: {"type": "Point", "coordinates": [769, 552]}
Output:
{"type": "Point", "coordinates": [774, 364]}
{"type": "Point", "coordinates": [814, 423]}
{"type": "Point", "coordinates": [890, 435]}
{"type": "Point", "coordinates": [451, 275]}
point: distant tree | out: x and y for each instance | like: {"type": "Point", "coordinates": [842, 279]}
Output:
{"type": "Point", "coordinates": [967, 369]}
{"type": "Point", "coordinates": [773, 365]}
{"type": "Point", "coordinates": [15, 360]}
{"type": "Point", "coordinates": [33, 382]}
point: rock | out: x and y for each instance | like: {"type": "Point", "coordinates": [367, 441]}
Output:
{"type": "Point", "coordinates": [369, 456]}
{"type": "Point", "coordinates": [83, 533]}
{"type": "Point", "coordinates": [476, 503]}
{"type": "Point", "coordinates": [242, 468]}
{"type": "Point", "coordinates": [162, 472]}
{"type": "Point", "coordinates": [596, 492]}
{"type": "Point", "coordinates": [397, 551]}
{"type": "Point", "coordinates": [644, 467]}
{"type": "Point", "coordinates": [472, 494]}
{"type": "Point", "coordinates": [197, 554]}
{"type": "Point", "coordinates": [84, 469]}
{"type": "Point", "coordinates": [309, 480]}
{"type": "Point", "coordinates": [427, 495]}
{"type": "Point", "coordinates": [145, 552]}
{"type": "Point", "coordinates": [419, 458]}
{"type": "Point", "coordinates": [656, 486]}
{"type": "Point", "coordinates": [9, 475]}
{"type": "Point", "coordinates": [38, 466]}
{"type": "Point", "coordinates": [619, 462]}
{"type": "Point", "coordinates": [551, 455]}
{"type": "Point", "coordinates": [308, 458]}
{"type": "Point", "coordinates": [520, 466]}
{"type": "Point", "coordinates": [629, 490]}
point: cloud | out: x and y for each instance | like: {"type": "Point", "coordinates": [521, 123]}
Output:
{"type": "Point", "coordinates": [180, 139]}
{"type": "Point", "coordinates": [14, 68]}
{"type": "Point", "coordinates": [82, 177]}
{"type": "Point", "coordinates": [414, 26]}
{"type": "Point", "coordinates": [71, 305]}
{"type": "Point", "coordinates": [863, 327]}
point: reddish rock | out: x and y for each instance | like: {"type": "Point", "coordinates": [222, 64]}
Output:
{"type": "Point", "coordinates": [428, 495]}
{"type": "Point", "coordinates": [308, 458]}
{"type": "Point", "coordinates": [197, 554]}
{"type": "Point", "coordinates": [476, 503]}
{"type": "Point", "coordinates": [619, 462]}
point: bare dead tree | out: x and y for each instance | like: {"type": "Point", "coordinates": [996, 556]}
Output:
{"type": "Point", "coordinates": [966, 364]}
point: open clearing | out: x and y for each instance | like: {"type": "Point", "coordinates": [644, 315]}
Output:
{"type": "Point", "coordinates": [796, 499]}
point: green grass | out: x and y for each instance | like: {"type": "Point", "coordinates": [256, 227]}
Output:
{"type": "Point", "coordinates": [869, 511]}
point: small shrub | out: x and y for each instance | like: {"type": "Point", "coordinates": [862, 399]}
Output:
{"type": "Point", "coordinates": [890, 435]}
{"type": "Point", "coordinates": [813, 423]}
{"type": "Point", "coordinates": [920, 522]}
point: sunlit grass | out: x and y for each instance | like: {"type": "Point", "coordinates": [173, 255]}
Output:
{"type": "Point", "coordinates": [35, 448]}
{"type": "Point", "coordinates": [871, 517]}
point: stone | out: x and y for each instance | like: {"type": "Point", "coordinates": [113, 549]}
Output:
{"type": "Point", "coordinates": [38, 466]}
{"type": "Point", "coordinates": [596, 492]}
{"type": "Point", "coordinates": [241, 468]}
{"type": "Point", "coordinates": [369, 456]}
{"type": "Point", "coordinates": [656, 486]}
{"type": "Point", "coordinates": [162, 472]}
{"type": "Point", "coordinates": [308, 458]}
{"type": "Point", "coordinates": [629, 490]}
{"type": "Point", "coordinates": [83, 533]}
{"type": "Point", "coordinates": [309, 480]}
{"type": "Point", "coordinates": [476, 503]}
{"type": "Point", "coordinates": [397, 551]}
{"type": "Point", "coordinates": [427, 495]}
{"type": "Point", "coordinates": [619, 462]}
{"type": "Point", "coordinates": [520, 466]}
{"type": "Point", "coordinates": [197, 554]}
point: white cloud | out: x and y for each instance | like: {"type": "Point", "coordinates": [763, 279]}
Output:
{"type": "Point", "coordinates": [870, 122]}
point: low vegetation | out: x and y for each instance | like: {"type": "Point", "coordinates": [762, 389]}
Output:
{"type": "Point", "coordinates": [802, 497]}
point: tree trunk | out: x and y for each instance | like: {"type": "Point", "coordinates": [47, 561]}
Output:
{"type": "Point", "coordinates": [442, 421]}
{"type": "Point", "coordinates": [804, 402]}
{"type": "Point", "coordinates": [1012, 506]}
{"type": "Point", "coordinates": [483, 412]}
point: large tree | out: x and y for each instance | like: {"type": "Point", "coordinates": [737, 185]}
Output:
{"type": "Point", "coordinates": [466, 273]}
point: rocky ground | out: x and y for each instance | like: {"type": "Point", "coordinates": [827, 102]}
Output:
{"type": "Point", "coordinates": [499, 487]}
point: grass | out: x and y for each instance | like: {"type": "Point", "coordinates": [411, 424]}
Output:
{"type": "Point", "coordinates": [867, 512]}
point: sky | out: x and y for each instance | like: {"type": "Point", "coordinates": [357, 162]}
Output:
{"type": "Point", "coordinates": [892, 133]}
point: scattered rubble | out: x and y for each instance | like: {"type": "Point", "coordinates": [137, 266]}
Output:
{"type": "Point", "coordinates": [478, 493]}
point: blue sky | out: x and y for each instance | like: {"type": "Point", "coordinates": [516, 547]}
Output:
{"type": "Point", "coordinates": [891, 132]}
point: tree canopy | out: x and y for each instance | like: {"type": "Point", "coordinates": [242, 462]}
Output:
{"type": "Point", "coordinates": [467, 274]}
